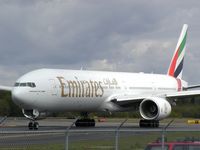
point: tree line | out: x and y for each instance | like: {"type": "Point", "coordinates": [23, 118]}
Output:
{"type": "Point", "coordinates": [184, 108]}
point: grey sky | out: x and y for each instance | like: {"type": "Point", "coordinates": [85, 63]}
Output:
{"type": "Point", "coordinates": [122, 35]}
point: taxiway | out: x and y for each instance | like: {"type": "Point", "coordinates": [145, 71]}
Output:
{"type": "Point", "coordinates": [14, 131]}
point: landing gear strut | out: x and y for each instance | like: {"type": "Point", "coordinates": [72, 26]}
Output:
{"type": "Point", "coordinates": [85, 121]}
{"type": "Point", "coordinates": [149, 123]}
{"type": "Point", "coordinates": [33, 125]}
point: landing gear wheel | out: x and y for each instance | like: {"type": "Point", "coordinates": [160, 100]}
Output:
{"type": "Point", "coordinates": [30, 125]}
{"type": "Point", "coordinates": [85, 123]}
{"type": "Point", "coordinates": [33, 125]}
{"type": "Point", "coordinates": [149, 123]}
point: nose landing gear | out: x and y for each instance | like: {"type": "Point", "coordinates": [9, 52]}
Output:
{"type": "Point", "coordinates": [32, 115]}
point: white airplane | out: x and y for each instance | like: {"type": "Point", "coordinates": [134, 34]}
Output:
{"type": "Point", "coordinates": [53, 90]}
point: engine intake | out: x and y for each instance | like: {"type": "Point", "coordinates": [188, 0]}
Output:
{"type": "Point", "coordinates": [155, 108]}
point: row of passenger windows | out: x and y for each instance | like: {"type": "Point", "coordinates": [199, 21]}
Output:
{"type": "Point", "coordinates": [29, 84]}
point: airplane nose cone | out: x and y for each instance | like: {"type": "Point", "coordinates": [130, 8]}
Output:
{"type": "Point", "coordinates": [19, 97]}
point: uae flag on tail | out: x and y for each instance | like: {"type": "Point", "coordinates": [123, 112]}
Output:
{"type": "Point", "coordinates": [176, 65]}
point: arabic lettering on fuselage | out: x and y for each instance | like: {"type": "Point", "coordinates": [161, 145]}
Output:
{"type": "Point", "coordinates": [110, 82]}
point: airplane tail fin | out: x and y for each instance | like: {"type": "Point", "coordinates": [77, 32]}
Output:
{"type": "Point", "coordinates": [176, 65]}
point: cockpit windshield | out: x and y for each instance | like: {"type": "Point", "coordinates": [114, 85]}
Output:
{"type": "Point", "coordinates": [25, 84]}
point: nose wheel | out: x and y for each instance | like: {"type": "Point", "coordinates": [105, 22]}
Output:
{"type": "Point", "coordinates": [33, 125]}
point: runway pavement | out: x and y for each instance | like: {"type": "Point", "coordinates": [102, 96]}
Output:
{"type": "Point", "coordinates": [14, 131]}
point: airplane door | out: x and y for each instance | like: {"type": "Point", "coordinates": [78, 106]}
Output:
{"type": "Point", "coordinates": [53, 87]}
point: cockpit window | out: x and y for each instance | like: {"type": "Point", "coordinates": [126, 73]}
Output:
{"type": "Point", "coordinates": [25, 84]}
{"type": "Point", "coordinates": [31, 84]}
{"type": "Point", "coordinates": [17, 84]}
{"type": "Point", "coordinates": [22, 84]}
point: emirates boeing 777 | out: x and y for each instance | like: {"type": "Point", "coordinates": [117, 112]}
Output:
{"type": "Point", "coordinates": [54, 90]}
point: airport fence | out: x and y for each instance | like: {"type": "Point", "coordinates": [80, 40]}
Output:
{"type": "Point", "coordinates": [99, 138]}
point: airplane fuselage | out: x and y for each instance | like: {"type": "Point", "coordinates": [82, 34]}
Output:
{"type": "Point", "coordinates": [85, 91]}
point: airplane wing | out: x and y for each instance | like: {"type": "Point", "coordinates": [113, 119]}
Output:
{"type": "Point", "coordinates": [182, 94]}
{"type": "Point", "coordinates": [127, 100]}
{"type": "Point", "coordinates": [6, 88]}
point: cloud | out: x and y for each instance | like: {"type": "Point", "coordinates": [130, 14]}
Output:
{"type": "Point", "coordinates": [124, 35]}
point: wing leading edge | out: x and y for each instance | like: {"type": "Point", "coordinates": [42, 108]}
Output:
{"type": "Point", "coordinates": [127, 100]}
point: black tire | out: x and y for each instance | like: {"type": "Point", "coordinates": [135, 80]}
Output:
{"type": "Point", "coordinates": [30, 125]}
{"type": "Point", "coordinates": [85, 123]}
{"type": "Point", "coordinates": [35, 125]}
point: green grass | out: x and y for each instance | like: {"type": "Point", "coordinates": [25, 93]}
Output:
{"type": "Point", "coordinates": [35, 147]}
{"type": "Point", "coordinates": [135, 142]}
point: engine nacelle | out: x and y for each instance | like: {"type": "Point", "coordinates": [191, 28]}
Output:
{"type": "Point", "coordinates": [155, 108]}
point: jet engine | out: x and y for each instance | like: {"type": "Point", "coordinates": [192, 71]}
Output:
{"type": "Point", "coordinates": [154, 108]}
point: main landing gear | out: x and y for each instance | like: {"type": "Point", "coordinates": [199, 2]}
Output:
{"type": "Point", "coordinates": [32, 125]}
{"type": "Point", "coordinates": [85, 121]}
{"type": "Point", "coordinates": [149, 123]}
